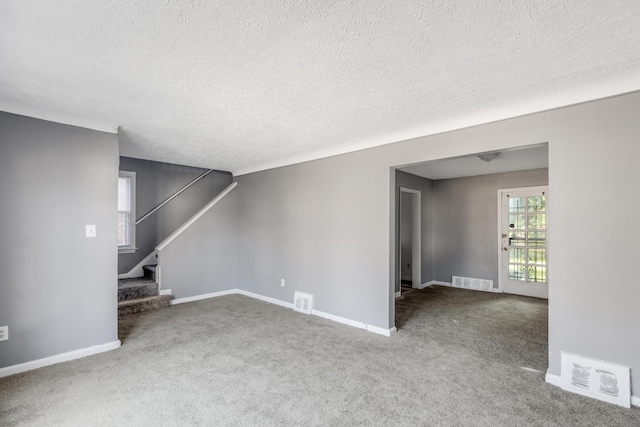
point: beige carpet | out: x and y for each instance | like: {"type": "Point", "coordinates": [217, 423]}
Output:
{"type": "Point", "coordinates": [233, 361]}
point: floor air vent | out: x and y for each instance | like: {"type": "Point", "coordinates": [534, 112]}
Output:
{"type": "Point", "coordinates": [470, 283]}
{"type": "Point", "coordinates": [302, 302]}
{"type": "Point", "coordinates": [604, 381]}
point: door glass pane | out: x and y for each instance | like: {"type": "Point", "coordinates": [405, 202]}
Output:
{"type": "Point", "coordinates": [517, 221]}
{"type": "Point", "coordinates": [517, 272]}
{"type": "Point", "coordinates": [537, 274]}
{"type": "Point", "coordinates": [516, 238]}
{"type": "Point", "coordinates": [516, 255]}
{"type": "Point", "coordinates": [536, 203]}
{"type": "Point", "coordinates": [537, 221]}
{"type": "Point", "coordinates": [537, 239]}
{"type": "Point", "coordinates": [537, 256]}
{"type": "Point", "coordinates": [516, 204]}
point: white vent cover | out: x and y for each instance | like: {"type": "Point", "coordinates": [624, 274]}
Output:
{"type": "Point", "coordinates": [604, 381]}
{"type": "Point", "coordinates": [302, 302]}
{"type": "Point", "coordinates": [470, 283]}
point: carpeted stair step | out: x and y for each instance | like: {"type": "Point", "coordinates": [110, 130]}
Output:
{"type": "Point", "coordinates": [150, 272]}
{"type": "Point", "coordinates": [140, 305]}
{"type": "Point", "coordinates": [139, 287]}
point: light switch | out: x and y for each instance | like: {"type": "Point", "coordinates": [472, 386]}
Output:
{"type": "Point", "coordinates": [91, 230]}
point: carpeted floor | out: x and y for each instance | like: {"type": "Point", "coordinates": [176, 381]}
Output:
{"type": "Point", "coordinates": [456, 360]}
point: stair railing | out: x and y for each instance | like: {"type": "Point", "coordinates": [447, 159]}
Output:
{"type": "Point", "coordinates": [154, 210]}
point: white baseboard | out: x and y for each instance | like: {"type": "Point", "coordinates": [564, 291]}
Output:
{"type": "Point", "coordinates": [137, 271]}
{"type": "Point", "coordinates": [204, 296]}
{"type": "Point", "coordinates": [433, 282]}
{"type": "Point", "coordinates": [556, 380]}
{"type": "Point", "coordinates": [339, 319]}
{"type": "Point", "coordinates": [333, 317]}
{"type": "Point", "coordinates": [381, 331]}
{"type": "Point", "coordinates": [267, 299]}
{"type": "Point", "coordinates": [553, 379]}
{"type": "Point", "coordinates": [165, 292]}
{"type": "Point", "coordinates": [439, 283]}
{"type": "Point", "coordinates": [58, 358]}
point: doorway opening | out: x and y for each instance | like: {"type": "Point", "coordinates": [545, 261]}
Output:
{"type": "Point", "coordinates": [459, 222]}
{"type": "Point", "coordinates": [410, 242]}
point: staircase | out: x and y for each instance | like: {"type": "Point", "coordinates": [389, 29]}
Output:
{"type": "Point", "coordinates": [140, 294]}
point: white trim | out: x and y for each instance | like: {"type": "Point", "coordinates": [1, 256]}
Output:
{"type": "Point", "coordinates": [204, 296]}
{"type": "Point", "coordinates": [439, 283]}
{"type": "Point", "coordinates": [194, 218]}
{"type": "Point", "coordinates": [137, 271]}
{"type": "Point", "coordinates": [635, 400]}
{"type": "Point", "coordinates": [339, 319]}
{"type": "Point", "coordinates": [398, 294]}
{"type": "Point", "coordinates": [267, 299]}
{"type": "Point", "coordinates": [416, 239]}
{"type": "Point", "coordinates": [432, 283]}
{"type": "Point", "coordinates": [165, 292]}
{"type": "Point", "coordinates": [553, 379]}
{"type": "Point", "coordinates": [131, 223]}
{"type": "Point", "coordinates": [381, 331]}
{"type": "Point", "coordinates": [58, 358]}
{"type": "Point", "coordinates": [328, 316]}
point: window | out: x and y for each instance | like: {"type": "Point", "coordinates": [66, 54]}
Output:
{"type": "Point", "coordinates": [126, 212]}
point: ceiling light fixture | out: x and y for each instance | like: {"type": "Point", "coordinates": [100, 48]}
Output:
{"type": "Point", "coordinates": [488, 157]}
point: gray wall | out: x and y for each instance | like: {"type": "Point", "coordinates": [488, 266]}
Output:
{"type": "Point", "coordinates": [320, 231]}
{"type": "Point", "coordinates": [192, 265]}
{"type": "Point", "coordinates": [466, 222]}
{"type": "Point", "coordinates": [156, 182]}
{"type": "Point", "coordinates": [425, 186]}
{"type": "Point", "coordinates": [57, 287]}
{"type": "Point", "coordinates": [328, 226]}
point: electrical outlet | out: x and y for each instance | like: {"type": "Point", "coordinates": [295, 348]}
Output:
{"type": "Point", "coordinates": [4, 333]}
{"type": "Point", "coordinates": [282, 282]}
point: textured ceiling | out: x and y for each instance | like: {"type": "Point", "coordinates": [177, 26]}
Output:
{"type": "Point", "coordinates": [242, 85]}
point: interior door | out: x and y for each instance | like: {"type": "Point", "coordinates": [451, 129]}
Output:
{"type": "Point", "coordinates": [523, 241]}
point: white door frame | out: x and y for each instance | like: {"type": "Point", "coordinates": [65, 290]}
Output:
{"type": "Point", "coordinates": [416, 249]}
{"type": "Point", "coordinates": [501, 193]}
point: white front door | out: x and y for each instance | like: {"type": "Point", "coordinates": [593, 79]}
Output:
{"type": "Point", "coordinates": [523, 241]}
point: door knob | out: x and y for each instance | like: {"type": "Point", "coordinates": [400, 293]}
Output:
{"type": "Point", "coordinates": [505, 249]}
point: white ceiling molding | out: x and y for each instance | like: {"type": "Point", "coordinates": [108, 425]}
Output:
{"type": "Point", "coordinates": [245, 86]}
